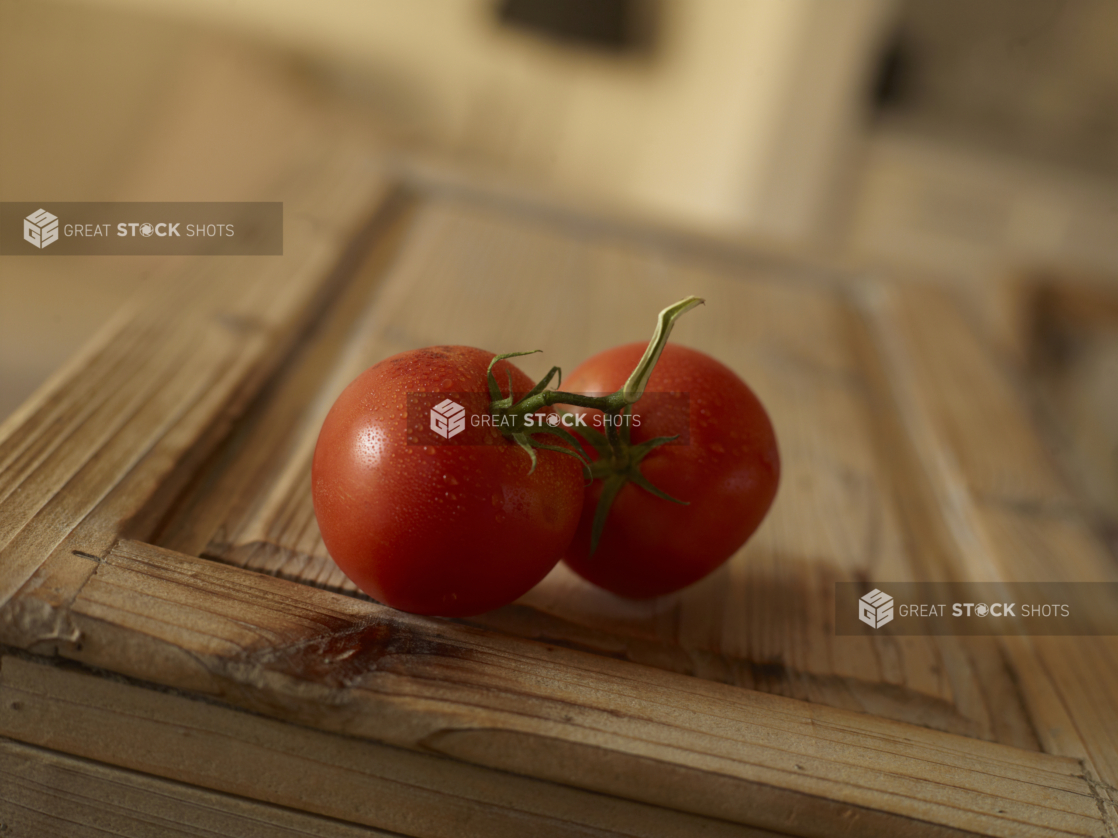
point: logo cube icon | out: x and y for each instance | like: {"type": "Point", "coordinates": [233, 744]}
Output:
{"type": "Point", "coordinates": [448, 419]}
{"type": "Point", "coordinates": [875, 609]}
{"type": "Point", "coordinates": [40, 228]}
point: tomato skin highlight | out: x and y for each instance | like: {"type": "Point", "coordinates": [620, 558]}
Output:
{"type": "Point", "coordinates": [439, 529]}
{"type": "Point", "coordinates": [728, 472]}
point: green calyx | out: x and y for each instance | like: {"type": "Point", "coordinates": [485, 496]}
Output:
{"type": "Point", "coordinates": [619, 461]}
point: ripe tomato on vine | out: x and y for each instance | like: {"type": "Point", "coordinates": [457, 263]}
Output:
{"type": "Point", "coordinates": [661, 516]}
{"type": "Point", "coordinates": [455, 530]}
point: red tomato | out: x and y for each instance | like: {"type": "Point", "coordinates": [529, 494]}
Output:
{"type": "Point", "coordinates": [728, 473]}
{"type": "Point", "coordinates": [432, 527]}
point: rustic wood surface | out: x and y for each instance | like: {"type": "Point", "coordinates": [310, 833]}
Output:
{"type": "Point", "coordinates": [46, 794]}
{"type": "Point", "coordinates": [172, 454]}
{"type": "Point", "coordinates": [332, 662]}
{"type": "Point", "coordinates": [463, 273]}
{"type": "Point", "coordinates": [211, 747]}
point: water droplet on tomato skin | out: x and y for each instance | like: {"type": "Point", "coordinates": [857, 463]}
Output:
{"type": "Point", "coordinates": [448, 478]}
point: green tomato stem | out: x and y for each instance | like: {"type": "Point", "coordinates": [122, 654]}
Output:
{"type": "Point", "coordinates": [614, 403]}
{"type": "Point", "coordinates": [634, 387]}
{"type": "Point", "coordinates": [619, 462]}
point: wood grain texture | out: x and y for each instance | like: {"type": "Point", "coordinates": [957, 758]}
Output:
{"type": "Point", "coordinates": [380, 787]}
{"type": "Point", "coordinates": [336, 663]}
{"type": "Point", "coordinates": [1072, 326]}
{"type": "Point", "coordinates": [45, 793]}
{"type": "Point", "coordinates": [1006, 513]}
{"type": "Point", "coordinates": [166, 387]}
{"type": "Point", "coordinates": [907, 452]}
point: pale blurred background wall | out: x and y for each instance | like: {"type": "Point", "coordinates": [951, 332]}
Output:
{"type": "Point", "coordinates": [730, 116]}
{"type": "Point", "coordinates": [954, 139]}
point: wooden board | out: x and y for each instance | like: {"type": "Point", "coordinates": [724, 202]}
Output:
{"type": "Point", "coordinates": [207, 747]}
{"type": "Point", "coordinates": [146, 490]}
{"type": "Point", "coordinates": [46, 793]}
{"type": "Point", "coordinates": [632, 732]}
{"type": "Point", "coordinates": [764, 620]}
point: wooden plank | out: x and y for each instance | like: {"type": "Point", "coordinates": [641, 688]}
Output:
{"type": "Point", "coordinates": [1007, 514]}
{"type": "Point", "coordinates": [276, 453]}
{"type": "Point", "coordinates": [1072, 337]}
{"type": "Point", "coordinates": [45, 793]}
{"type": "Point", "coordinates": [215, 747]}
{"type": "Point", "coordinates": [339, 664]}
{"type": "Point", "coordinates": [168, 387]}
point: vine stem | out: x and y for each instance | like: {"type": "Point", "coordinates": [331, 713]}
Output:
{"type": "Point", "coordinates": [619, 462]}
{"type": "Point", "coordinates": [629, 393]}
